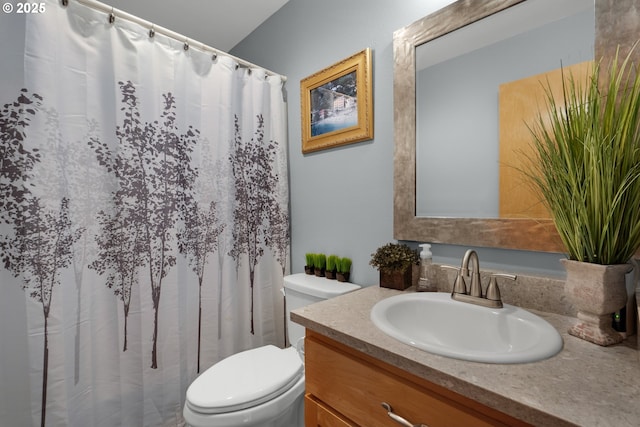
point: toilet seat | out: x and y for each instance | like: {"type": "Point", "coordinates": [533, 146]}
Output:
{"type": "Point", "coordinates": [245, 380]}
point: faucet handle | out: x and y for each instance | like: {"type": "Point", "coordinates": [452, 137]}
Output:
{"type": "Point", "coordinates": [459, 286]}
{"type": "Point", "coordinates": [493, 291]}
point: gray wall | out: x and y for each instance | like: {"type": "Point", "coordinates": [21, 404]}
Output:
{"type": "Point", "coordinates": [342, 199]}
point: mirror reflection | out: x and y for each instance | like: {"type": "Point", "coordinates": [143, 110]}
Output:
{"type": "Point", "coordinates": [459, 120]}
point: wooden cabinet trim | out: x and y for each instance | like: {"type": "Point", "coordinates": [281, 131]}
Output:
{"type": "Point", "coordinates": [455, 400]}
{"type": "Point", "coordinates": [318, 414]}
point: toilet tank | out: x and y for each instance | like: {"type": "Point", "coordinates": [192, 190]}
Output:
{"type": "Point", "coordinates": [303, 289]}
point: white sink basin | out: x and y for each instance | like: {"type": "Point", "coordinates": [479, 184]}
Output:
{"type": "Point", "coordinates": [435, 323]}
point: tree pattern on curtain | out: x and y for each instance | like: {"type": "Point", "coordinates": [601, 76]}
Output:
{"type": "Point", "coordinates": [156, 183]}
{"type": "Point", "coordinates": [197, 240]}
{"type": "Point", "coordinates": [72, 177]}
{"type": "Point", "coordinates": [16, 164]}
{"type": "Point", "coordinates": [42, 243]}
{"type": "Point", "coordinates": [260, 222]}
{"type": "Point", "coordinates": [153, 167]}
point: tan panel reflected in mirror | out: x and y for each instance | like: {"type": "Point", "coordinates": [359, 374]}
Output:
{"type": "Point", "coordinates": [520, 102]}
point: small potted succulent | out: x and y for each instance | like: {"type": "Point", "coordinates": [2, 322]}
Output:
{"type": "Point", "coordinates": [309, 258]}
{"type": "Point", "coordinates": [343, 269]}
{"type": "Point", "coordinates": [330, 272]}
{"type": "Point", "coordinates": [319, 264]}
{"type": "Point", "coordinates": [395, 263]}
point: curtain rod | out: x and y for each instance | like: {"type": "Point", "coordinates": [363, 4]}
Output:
{"type": "Point", "coordinates": [188, 43]}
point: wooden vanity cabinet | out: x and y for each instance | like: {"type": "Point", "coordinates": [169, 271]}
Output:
{"type": "Point", "coordinates": [346, 388]}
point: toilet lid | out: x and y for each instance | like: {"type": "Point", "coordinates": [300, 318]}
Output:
{"type": "Point", "coordinates": [245, 379]}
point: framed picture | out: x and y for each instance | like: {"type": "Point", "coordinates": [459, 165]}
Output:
{"type": "Point", "coordinates": [336, 104]}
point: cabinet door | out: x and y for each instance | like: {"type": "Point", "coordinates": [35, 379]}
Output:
{"type": "Point", "coordinates": [355, 386]}
{"type": "Point", "coordinates": [316, 414]}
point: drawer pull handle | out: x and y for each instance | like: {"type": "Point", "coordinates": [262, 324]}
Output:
{"type": "Point", "coordinates": [397, 418]}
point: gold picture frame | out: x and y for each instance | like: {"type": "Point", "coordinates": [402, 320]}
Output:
{"type": "Point", "coordinates": [337, 104]}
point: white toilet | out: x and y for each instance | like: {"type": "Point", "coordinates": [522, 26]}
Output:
{"type": "Point", "coordinates": [263, 386]}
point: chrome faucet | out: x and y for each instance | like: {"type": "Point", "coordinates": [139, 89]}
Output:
{"type": "Point", "coordinates": [491, 297]}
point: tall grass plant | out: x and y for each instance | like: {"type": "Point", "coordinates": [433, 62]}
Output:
{"type": "Point", "coordinates": [586, 164]}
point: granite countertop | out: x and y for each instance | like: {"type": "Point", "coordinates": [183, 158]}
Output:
{"type": "Point", "coordinates": [584, 384]}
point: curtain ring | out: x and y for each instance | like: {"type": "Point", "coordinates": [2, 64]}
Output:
{"type": "Point", "coordinates": [65, 3]}
{"type": "Point", "coordinates": [152, 32]}
{"type": "Point", "coordinates": [186, 45]}
{"type": "Point", "coordinates": [214, 56]}
{"type": "Point", "coordinates": [112, 17]}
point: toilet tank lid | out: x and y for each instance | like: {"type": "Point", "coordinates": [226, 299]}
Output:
{"type": "Point", "coordinates": [318, 287]}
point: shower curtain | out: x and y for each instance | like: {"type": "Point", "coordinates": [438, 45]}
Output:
{"type": "Point", "coordinates": [144, 229]}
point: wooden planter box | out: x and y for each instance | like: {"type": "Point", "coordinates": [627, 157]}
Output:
{"type": "Point", "coordinates": [400, 280]}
